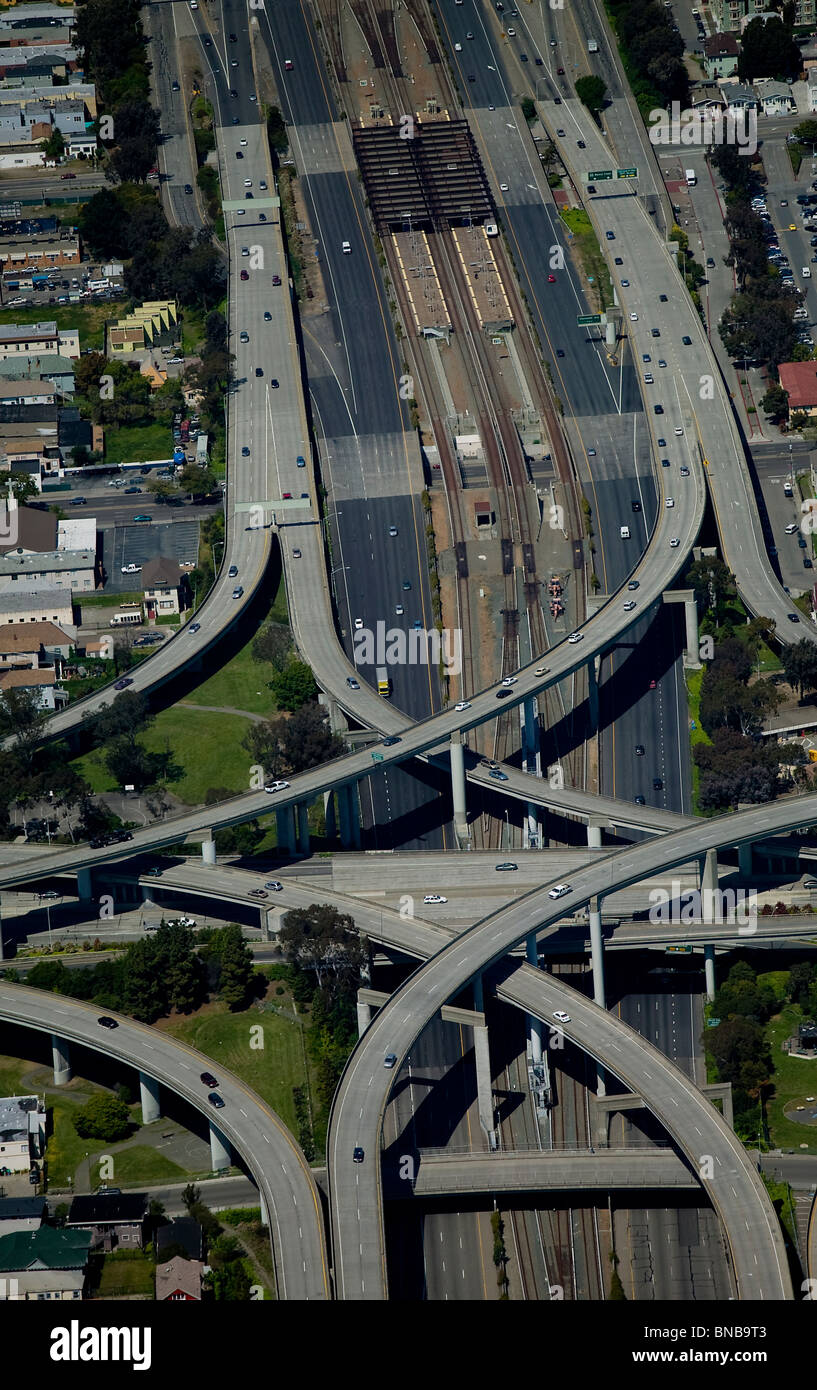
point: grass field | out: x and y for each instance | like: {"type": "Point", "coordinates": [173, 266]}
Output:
{"type": "Point", "coordinates": [585, 242]}
{"type": "Point", "coordinates": [89, 319]}
{"type": "Point", "coordinates": [271, 1070]}
{"type": "Point", "coordinates": [694, 680]}
{"type": "Point", "coordinates": [66, 1150]}
{"type": "Point", "coordinates": [794, 1079]}
{"type": "Point", "coordinates": [124, 1274]}
{"type": "Point", "coordinates": [137, 443]}
{"type": "Point", "coordinates": [206, 745]}
{"type": "Point", "coordinates": [142, 1165]}
{"type": "Point", "coordinates": [243, 682]}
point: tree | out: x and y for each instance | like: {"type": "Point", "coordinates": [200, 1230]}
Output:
{"type": "Point", "coordinates": [591, 92]}
{"type": "Point", "coordinates": [125, 718]}
{"type": "Point", "coordinates": [775, 402]}
{"type": "Point", "coordinates": [712, 581]}
{"type": "Point", "coordinates": [191, 1196]}
{"type": "Point", "coordinates": [103, 1117]}
{"type": "Point", "coordinates": [180, 967]}
{"type": "Point", "coordinates": [801, 982]}
{"type": "Point", "coordinates": [273, 644]}
{"type": "Point", "coordinates": [321, 940]}
{"type": "Point", "coordinates": [806, 133]}
{"type": "Point", "coordinates": [800, 665]}
{"type": "Point", "coordinates": [54, 146]}
{"type": "Point", "coordinates": [768, 50]}
{"type": "Point", "coordinates": [293, 685]}
{"type": "Point", "coordinates": [529, 109]}
{"type": "Point", "coordinates": [230, 965]}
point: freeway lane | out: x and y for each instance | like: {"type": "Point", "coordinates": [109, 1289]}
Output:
{"type": "Point", "coordinates": [263, 1141]}
{"type": "Point", "coordinates": [358, 1110]}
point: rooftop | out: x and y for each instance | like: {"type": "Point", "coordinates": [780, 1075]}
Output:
{"type": "Point", "coordinates": [29, 637]}
{"type": "Point", "coordinates": [799, 380]}
{"type": "Point", "coordinates": [51, 561]}
{"type": "Point", "coordinates": [47, 600]}
{"type": "Point", "coordinates": [45, 1248]}
{"type": "Point", "coordinates": [105, 1208]}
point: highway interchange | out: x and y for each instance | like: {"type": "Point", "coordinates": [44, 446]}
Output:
{"type": "Point", "coordinates": [365, 460]}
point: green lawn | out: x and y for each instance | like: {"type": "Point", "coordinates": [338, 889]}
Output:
{"type": "Point", "coordinates": [89, 319]}
{"type": "Point", "coordinates": [207, 746]}
{"type": "Point", "coordinates": [142, 1166]}
{"type": "Point", "coordinates": [272, 1071]}
{"type": "Point", "coordinates": [125, 1273]}
{"type": "Point", "coordinates": [137, 443]}
{"type": "Point", "coordinates": [794, 1079]}
{"type": "Point", "coordinates": [66, 1149]}
{"type": "Point", "coordinates": [694, 680]}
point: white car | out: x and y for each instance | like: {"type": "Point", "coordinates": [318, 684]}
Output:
{"type": "Point", "coordinates": [458, 48]}
{"type": "Point", "coordinates": [358, 624]}
{"type": "Point", "coordinates": [633, 316]}
{"type": "Point", "coordinates": [276, 787]}
{"type": "Point", "coordinates": [131, 569]}
{"type": "Point", "coordinates": [242, 142]}
{"type": "Point", "coordinates": [678, 429]}
{"type": "Point", "coordinates": [463, 704]}
{"type": "Point", "coordinates": [248, 183]}
{"type": "Point", "coordinates": [509, 680]}
{"type": "Point", "coordinates": [629, 605]}
{"type": "Point", "coordinates": [670, 502]}
{"type": "Point", "coordinates": [399, 610]}
{"type": "Point", "coordinates": [674, 542]}
{"type": "Point", "coordinates": [434, 898]}
{"type": "Point", "coordinates": [542, 670]}
{"type": "Point", "coordinates": [562, 1016]}
{"type": "Point", "coordinates": [575, 637]}
{"type": "Point", "coordinates": [559, 891]}
{"type": "Point", "coordinates": [503, 188]}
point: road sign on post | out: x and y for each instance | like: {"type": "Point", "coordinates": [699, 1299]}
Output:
{"type": "Point", "coordinates": [584, 319]}
{"type": "Point", "coordinates": [377, 757]}
{"type": "Point", "coordinates": [679, 950]}
{"type": "Point", "coordinates": [595, 175]}
{"type": "Point", "coordinates": [627, 173]}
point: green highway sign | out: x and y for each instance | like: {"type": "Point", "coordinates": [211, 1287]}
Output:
{"type": "Point", "coordinates": [377, 757]}
{"type": "Point", "coordinates": [584, 319]}
{"type": "Point", "coordinates": [679, 950]}
{"type": "Point", "coordinates": [626, 173]}
{"type": "Point", "coordinates": [596, 174]}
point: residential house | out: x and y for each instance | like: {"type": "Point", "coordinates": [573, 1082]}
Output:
{"type": "Point", "coordinates": [21, 1214]}
{"type": "Point", "coordinates": [738, 97]}
{"type": "Point", "coordinates": [720, 56]}
{"type": "Point", "coordinates": [113, 1219]}
{"type": "Point", "coordinates": [707, 98]}
{"type": "Point", "coordinates": [799, 381]}
{"type": "Point", "coordinates": [46, 366]}
{"type": "Point", "coordinates": [179, 1281]}
{"type": "Point", "coordinates": [40, 684]}
{"type": "Point", "coordinates": [35, 338]}
{"type": "Point", "coordinates": [45, 1264]}
{"type": "Point", "coordinates": [184, 1232]}
{"type": "Point", "coordinates": [38, 253]}
{"type": "Point", "coordinates": [732, 16]}
{"type": "Point", "coordinates": [775, 98]}
{"type": "Point", "coordinates": [42, 605]}
{"type": "Point", "coordinates": [165, 587]}
{"type": "Point", "coordinates": [30, 646]}
{"type": "Point", "coordinates": [22, 1128]}
{"type": "Point", "coordinates": [60, 569]}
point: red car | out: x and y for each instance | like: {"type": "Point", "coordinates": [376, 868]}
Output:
{"type": "Point", "coordinates": [67, 176]}
{"type": "Point", "coordinates": [652, 685]}
{"type": "Point", "coordinates": [551, 279]}
{"type": "Point", "coordinates": [561, 72]}
{"type": "Point", "coordinates": [244, 275]}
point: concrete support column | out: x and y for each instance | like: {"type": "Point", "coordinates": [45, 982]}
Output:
{"type": "Point", "coordinates": [610, 332]}
{"type": "Point", "coordinates": [285, 823]}
{"type": "Point", "coordinates": [149, 1096]}
{"type": "Point", "coordinates": [61, 1057]}
{"type": "Point", "coordinates": [2, 952]}
{"type": "Point", "coordinates": [691, 622]}
{"type": "Point", "coordinates": [745, 859]}
{"type": "Point", "coordinates": [354, 813]}
{"type": "Point", "coordinates": [531, 731]}
{"type": "Point", "coordinates": [264, 1209]}
{"type": "Point", "coordinates": [593, 834]}
{"type": "Point", "coordinates": [220, 1154]}
{"type": "Point", "coordinates": [593, 693]}
{"type": "Point", "coordinates": [709, 971]}
{"type": "Point", "coordinates": [597, 952]}
{"type": "Point", "coordinates": [330, 817]}
{"type": "Point", "coordinates": [708, 869]}
{"type": "Point", "coordinates": [476, 985]}
{"type": "Point", "coordinates": [482, 1056]}
{"type": "Point", "coordinates": [533, 825]}
{"type": "Point", "coordinates": [364, 1017]}
{"type": "Point", "coordinates": [344, 817]}
{"type": "Point", "coordinates": [458, 784]}
{"type": "Point", "coordinates": [208, 849]}
{"type": "Point", "coordinates": [534, 1024]}
{"type": "Point", "coordinates": [269, 918]}
{"type": "Point", "coordinates": [303, 827]}
{"type": "Point", "coordinates": [85, 885]}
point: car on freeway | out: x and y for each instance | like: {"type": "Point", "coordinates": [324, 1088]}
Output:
{"type": "Point", "coordinates": [390, 1059]}
{"type": "Point", "coordinates": [434, 898]}
{"type": "Point", "coordinates": [639, 750]}
{"type": "Point", "coordinates": [245, 452]}
{"type": "Point", "coordinates": [130, 490]}
{"type": "Point", "coordinates": [296, 554]}
{"type": "Point", "coordinates": [793, 617]}
{"type": "Point", "coordinates": [188, 188]}
{"type": "Point", "coordinates": [633, 316]}
{"type": "Point", "coordinates": [560, 352]}
{"type": "Point", "coordinates": [657, 784]}
{"type": "Point", "coordinates": [561, 1016]}
{"type": "Point", "coordinates": [542, 670]}
{"type": "Point", "coordinates": [687, 342]}
{"type": "Point", "coordinates": [640, 800]}
{"type": "Point", "coordinates": [352, 683]}
{"type": "Point", "coordinates": [123, 683]}
{"type": "Point", "coordinates": [551, 279]}
{"type": "Point", "coordinates": [142, 516]}
{"type": "Point", "coordinates": [679, 429]}
{"type": "Point", "coordinates": [392, 530]}
{"type": "Point", "coordinates": [561, 134]}
{"type": "Point", "coordinates": [390, 740]}
{"type": "Point", "coordinates": [275, 885]}
{"type": "Point", "coordinates": [658, 410]}
{"type": "Point", "coordinates": [106, 1022]}
{"type": "Point", "coordinates": [626, 286]}
{"type": "Point", "coordinates": [232, 571]}
{"type": "Point", "coordinates": [257, 893]}
{"type": "Point", "coordinates": [506, 867]}
{"type": "Point", "coordinates": [581, 144]}
{"type": "Point", "coordinates": [509, 680]}
{"type": "Point", "coordinates": [78, 501]}
{"type": "Point", "coordinates": [238, 591]}
{"type": "Point", "coordinates": [194, 627]}
{"type": "Point", "coordinates": [629, 605]}
{"type": "Point", "coordinates": [503, 694]}
{"type": "Point", "coordinates": [207, 1079]}
{"type": "Point", "coordinates": [618, 261]}
{"type": "Point", "coordinates": [244, 275]}
{"type": "Point", "coordinates": [278, 786]}
{"type": "Point", "coordinates": [301, 463]}
{"type": "Point", "coordinates": [684, 471]}
{"type": "Point", "coordinates": [674, 542]}
{"type": "Point", "coordinates": [575, 637]}
{"type": "Point", "coordinates": [662, 298]}
{"type": "Point", "coordinates": [559, 890]}
{"type": "Point", "coordinates": [357, 1154]}
{"type": "Point", "coordinates": [498, 775]}
{"type": "Point", "coordinates": [611, 236]}
{"type": "Point", "coordinates": [670, 502]}
{"type": "Point", "coordinates": [463, 704]}
{"type": "Point", "coordinates": [358, 624]}
{"type": "Point", "coordinates": [244, 336]}
{"type": "Point", "coordinates": [216, 1100]}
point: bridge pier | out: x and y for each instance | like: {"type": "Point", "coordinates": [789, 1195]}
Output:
{"type": "Point", "coordinates": [531, 732]}
{"type": "Point", "coordinates": [482, 1058]}
{"type": "Point", "coordinates": [264, 1209]}
{"type": "Point", "coordinates": [597, 965]}
{"type": "Point", "coordinates": [208, 848]}
{"type": "Point", "coordinates": [708, 870]}
{"type": "Point", "coordinates": [594, 834]}
{"type": "Point", "coordinates": [149, 1096]}
{"type": "Point", "coordinates": [692, 653]}
{"type": "Point", "coordinates": [533, 826]}
{"type": "Point", "coordinates": [303, 827]}
{"type": "Point", "coordinates": [593, 692]}
{"type": "Point", "coordinates": [285, 828]}
{"type": "Point", "coordinates": [220, 1155]}
{"type": "Point", "coordinates": [745, 859]}
{"type": "Point", "coordinates": [534, 1024]}
{"type": "Point", "coordinates": [329, 815]}
{"type": "Point", "coordinates": [349, 816]}
{"type": "Point", "coordinates": [85, 885]}
{"type": "Point", "coordinates": [709, 971]}
{"type": "Point", "coordinates": [364, 1016]}
{"type": "Point", "coordinates": [61, 1057]}
{"type": "Point", "coordinates": [457, 756]}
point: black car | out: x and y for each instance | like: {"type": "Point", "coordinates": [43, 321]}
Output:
{"type": "Point", "coordinates": [639, 749]}
{"type": "Point", "coordinates": [259, 371]}
{"type": "Point", "coordinates": [208, 1079]}
{"type": "Point", "coordinates": [502, 694]}
{"type": "Point", "coordinates": [640, 800]}
{"type": "Point", "coordinates": [105, 1022]}
{"type": "Point", "coordinates": [793, 617]}
{"type": "Point", "coordinates": [687, 342]}
{"type": "Point", "coordinates": [216, 1100]}
{"type": "Point", "coordinates": [123, 683]}
{"type": "Point", "coordinates": [658, 409]}
{"type": "Point", "coordinates": [560, 352]}
{"type": "Point", "coordinates": [636, 505]}
{"type": "Point", "coordinates": [506, 867]}
{"type": "Point", "coordinates": [274, 383]}
{"type": "Point", "coordinates": [390, 740]}
{"type": "Point", "coordinates": [358, 1154]}
{"type": "Point", "coordinates": [188, 188]}
{"type": "Point", "coordinates": [658, 785]}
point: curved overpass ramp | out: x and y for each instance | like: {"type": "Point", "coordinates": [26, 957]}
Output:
{"type": "Point", "coordinates": [734, 1187]}
{"type": "Point", "coordinates": [269, 1151]}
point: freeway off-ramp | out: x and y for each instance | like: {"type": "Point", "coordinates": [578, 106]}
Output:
{"type": "Point", "coordinates": [738, 1195]}
{"type": "Point", "coordinates": [264, 1143]}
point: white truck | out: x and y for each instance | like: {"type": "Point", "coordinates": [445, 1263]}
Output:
{"type": "Point", "coordinates": [592, 46]}
{"type": "Point", "coordinates": [692, 178]}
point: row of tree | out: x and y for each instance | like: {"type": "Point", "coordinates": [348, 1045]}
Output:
{"type": "Point", "coordinates": [111, 41]}
{"type": "Point", "coordinates": [652, 51]}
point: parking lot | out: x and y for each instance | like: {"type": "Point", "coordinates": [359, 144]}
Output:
{"type": "Point", "coordinates": [136, 544]}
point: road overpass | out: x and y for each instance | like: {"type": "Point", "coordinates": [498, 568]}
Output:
{"type": "Point", "coordinates": [541, 1170]}
{"type": "Point", "coordinates": [258, 1136]}
{"type": "Point", "coordinates": [698, 1130]}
